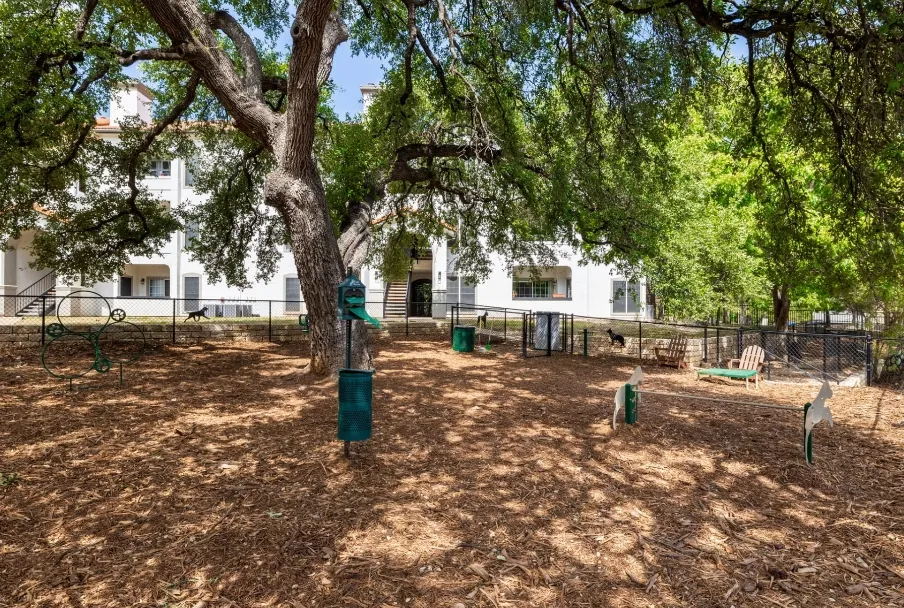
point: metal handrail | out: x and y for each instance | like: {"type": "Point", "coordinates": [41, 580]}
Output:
{"type": "Point", "coordinates": [408, 295]}
{"type": "Point", "coordinates": [34, 291]}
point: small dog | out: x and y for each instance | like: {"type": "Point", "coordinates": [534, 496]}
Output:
{"type": "Point", "coordinates": [616, 337]}
{"type": "Point", "coordinates": [196, 315]}
{"type": "Point", "coordinates": [482, 320]}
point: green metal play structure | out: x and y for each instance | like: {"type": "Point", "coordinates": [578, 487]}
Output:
{"type": "Point", "coordinates": [628, 397]}
{"type": "Point", "coordinates": [61, 336]}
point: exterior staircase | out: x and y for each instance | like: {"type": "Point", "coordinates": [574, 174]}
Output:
{"type": "Point", "coordinates": [38, 298]}
{"type": "Point", "coordinates": [33, 309]}
{"type": "Point", "coordinates": [395, 301]}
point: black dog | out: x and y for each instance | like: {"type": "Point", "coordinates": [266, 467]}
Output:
{"type": "Point", "coordinates": [196, 315]}
{"type": "Point", "coordinates": [482, 320]}
{"type": "Point", "coordinates": [615, 337]}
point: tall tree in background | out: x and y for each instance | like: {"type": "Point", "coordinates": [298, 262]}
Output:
{"type": "Point", "coordinates": [540, 120]}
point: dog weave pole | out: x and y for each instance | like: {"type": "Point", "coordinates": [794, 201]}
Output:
{"type": "Point", "coordinates": [628, 397]}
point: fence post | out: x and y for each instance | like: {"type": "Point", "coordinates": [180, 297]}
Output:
{"type": "Point", "coordinates": [869, 359]}
{"type": "Point", "coordinates": [174, 320]}
{"type": "Point", "coordinates": [572, 333]}
{"type": "Point", "coordinates": [740, 340]}
{"type": "Point", "coordinates": [43, 315]}
{"type": "Point", "coordinates": [640, 340]}
{"type": "Point", "coordinates": [838, 355]}
{"type": "Point", "coordinates": [824, 336]}
{"type": "Point", "coordinates": [270, 320]}
{"type": "Point", "coordinates": [718, 346]}
{"type": "Point", "coordinates": [452, 325]}
{"type": "Point", "coordinates": [585, 342]}
{"type": "Point", "coordinates": [706, 342]}
{"type": "Point", "coordinates": [524, 335]}
{"type": "Point", "coordinates": [828, 323]}
{"type": "Point", "coordinates": [505, 325]}
{"type": "Point", "coordinates": [549, 335]}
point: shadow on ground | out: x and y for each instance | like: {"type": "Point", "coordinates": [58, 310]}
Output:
{"type": "Point", "coordinates": [214, 475]}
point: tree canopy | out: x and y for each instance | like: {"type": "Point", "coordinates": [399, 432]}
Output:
{"type": "Point", "coordinates": [523, 123]}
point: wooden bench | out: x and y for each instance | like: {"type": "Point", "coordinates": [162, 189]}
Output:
{"type": "Point", "coordinates": [750, 365]}
{"type": "Point", "coordinates": [674, 353]}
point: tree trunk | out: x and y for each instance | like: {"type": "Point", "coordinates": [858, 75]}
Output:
{"type": "Point", "coordinates": [781, 306]}
{"type": "Point", "coordinates": [302, 204]}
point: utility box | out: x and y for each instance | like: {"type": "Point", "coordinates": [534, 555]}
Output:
{"type": "Point", "coordinates": [546, 331]}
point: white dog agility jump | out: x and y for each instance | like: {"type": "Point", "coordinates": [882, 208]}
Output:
{"type": "Point", "coordinates": [628, 398]}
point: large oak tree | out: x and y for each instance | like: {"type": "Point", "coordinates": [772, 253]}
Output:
{"type": "Point", "coordinates": [527, 121]}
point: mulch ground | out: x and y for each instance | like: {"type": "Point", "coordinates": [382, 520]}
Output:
{"type": "Point", "coordinates": [213, 479]}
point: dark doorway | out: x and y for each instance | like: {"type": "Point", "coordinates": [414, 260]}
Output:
{"type": "Point", "coordinates": [421, 298]}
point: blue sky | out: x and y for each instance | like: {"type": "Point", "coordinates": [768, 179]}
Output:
{"type": "Point", "coordinates": [349, 73]}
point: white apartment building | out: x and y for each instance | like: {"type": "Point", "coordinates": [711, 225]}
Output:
{"type": "Point", "coordinates": [568, 287]}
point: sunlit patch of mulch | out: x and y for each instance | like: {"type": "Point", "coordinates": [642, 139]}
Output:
{"type": "Point", "coordinates": [213, 478]}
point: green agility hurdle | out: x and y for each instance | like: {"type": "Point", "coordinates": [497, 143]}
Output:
{"type": "Point", "coordinates": [628, 398]}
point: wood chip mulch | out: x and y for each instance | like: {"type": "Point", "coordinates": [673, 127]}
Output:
{"type": "Point", "coordinates": [213, 479]}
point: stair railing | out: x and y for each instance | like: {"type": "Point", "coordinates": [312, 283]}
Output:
{"type": "Point", "coordinates": [33, 292]}
{"type": "Point", "coordinates": [407, 296]}
{"type": "Point", "coordinates": [386, 296]}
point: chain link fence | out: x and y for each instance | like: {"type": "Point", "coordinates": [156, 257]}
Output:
{"type": "Point", "coordinates": [793, 356]}
{"type": "Point", "coordinates": [796, 356]}
{"type": "Point", "coordinates": [492, 325]}
{"type": "Point", "coordinates": [177, 320]}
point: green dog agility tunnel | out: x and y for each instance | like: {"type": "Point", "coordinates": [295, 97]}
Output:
{"type": "Point", "coordinates": [355, 404]}
{"type": "Point", "coordinates": [463, 338]}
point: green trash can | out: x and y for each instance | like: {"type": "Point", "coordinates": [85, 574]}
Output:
{"type": "Point", "coordinates": [356, 390]}
{"type": "Point", "coordinates": [463, 338]}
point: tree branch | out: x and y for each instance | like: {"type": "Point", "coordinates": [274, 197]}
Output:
{"type": "Point", "coordinates": [303, 87]}
{"type": "Point", "coordinates": [226, 23]}
{"type": "Point", "coordinates": [188, 29]}
{"type": "Point", "coordinates": [335, 33]}
{"type": "Point", "coordinates": [127, 58]}
{"type": "Point", "coordinates": [82, 24]}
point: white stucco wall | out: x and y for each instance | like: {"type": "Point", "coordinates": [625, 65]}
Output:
{"type": "Point", "coordinates": [591, 286]}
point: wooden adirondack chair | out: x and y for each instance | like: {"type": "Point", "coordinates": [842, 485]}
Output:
{"type": "Point", "coordinates": [674, 353]}
{"type": "Point", "coordinates": [750, 365]}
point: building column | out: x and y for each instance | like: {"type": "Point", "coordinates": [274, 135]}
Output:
{"type": "Point", "coordinates": [8, 280]}
{"type": "Point", "coordinates": [439, 308]}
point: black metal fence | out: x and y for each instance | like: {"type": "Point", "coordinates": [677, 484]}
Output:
{"type": "Point", "coordinates": [807, 320]}
{"type": "Point", "coordinates": [180, 319]}
{"type": "Point", "coordinates": [834, 356]}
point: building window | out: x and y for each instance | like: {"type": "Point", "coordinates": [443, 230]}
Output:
{"type": "Point", "coordinates": [158, 288]}
{"type": "Point", "coordinates": [625, 297]}
{"type": "Point", "coordinates": [568, 288]}
{"type": "Point", "coordinates": [190, 165]}
{"type": "Point", "coordinates": [527, 288]}
{"type": "Point", "coordinates": [192, 293]}
{"type": "Point", "coordinates": [191, 231]}
{"type": "Point", "coordinates": [125, 287]}
{"type": "Point", "coordinates": [160, 168]}
{"type": "Point", "coordinates": [293, 294]}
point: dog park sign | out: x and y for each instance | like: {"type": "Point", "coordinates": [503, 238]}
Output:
{"type": "Point", "coordinates": [628, 398]}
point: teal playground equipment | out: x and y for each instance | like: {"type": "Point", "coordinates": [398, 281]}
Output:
{"type": "Point", "coordinates": [355, 385]}
{"type": "Point", "coordinates": [628, 398]}
{"type": "Point", "coordinates": [115, 333]}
